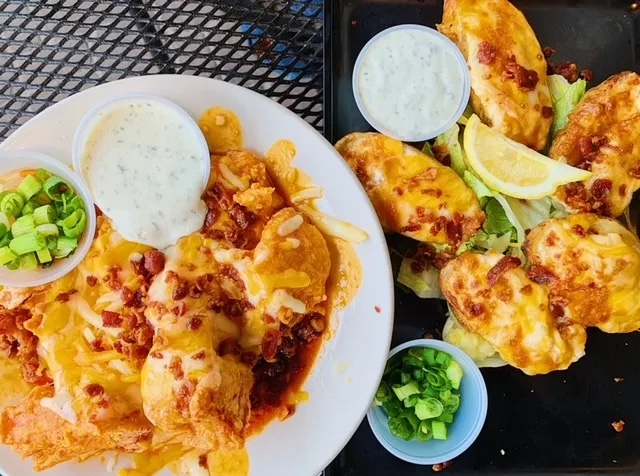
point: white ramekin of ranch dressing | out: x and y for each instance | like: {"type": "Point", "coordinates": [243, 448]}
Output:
{"type": "Point", "coordinates": [411, 83]}
{"type": "Point", "coordinates": [146, 163]}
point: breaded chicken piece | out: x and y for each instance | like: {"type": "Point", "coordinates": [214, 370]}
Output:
{"type": "Point", "coordinates": [34, 431]}
{"type": "Point", "coordinates": [508, 70]}
{"type": "Point", "coordinates": [492, 296]}
{"type": "Point", "coordinates": [412, 193]}
{"type": "Point", "coordinates": [240, 198]}
{"type": "Point", "coordinates": [592, 267]}
{"type": "Point", "coordinates": [188, 386]}
{"type": "Point", "coordinates": [603, 137]}
{"type": "Point", "coordinates": [293, 262]}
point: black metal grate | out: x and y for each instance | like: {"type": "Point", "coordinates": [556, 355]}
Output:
{"type": "Point", "coordinates": [50, 49]}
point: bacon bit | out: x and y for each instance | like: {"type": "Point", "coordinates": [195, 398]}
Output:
{"type": "Point", "coordinates": [194, 324]}
{"type": "Point", "coordinates": [138, 268]}
{"type": "Point", "coordinates": [623, 189]}
{"type": "Point", "coordinates": [180, 309]}
{"type": "Point", "coordinates": [587, 75]}
{"type": "Point", "coordinates": [180, 291]}
{"type": "Point", "coordinates": [441, 466]}
{"type": "Point", "coordinates": [527, 289]}
{"type": "Point", "coordinates": [548, 52]}
{"type": "Point", "coordinates": [618, 426]}
{"type": "Point", "coordinates": [398, 191]}
{"type": "Point", "coordinates": [175, 367]}
{"type": "Point", "coordinates": [618, 379]}
{"type": "Point", "coordinates": [126, 295]}
{"type": "Point", "coordinates": [526, 79]}
{"type": "Point", "coordinates": [635, 171]}
{"type": "Point", "coordinates": [568, 70]}
{"type": "Point", "coordinates": [540, 274]}
{"type": "Point", "coordinates": [441, 154]}
{"type": "Point", "coordinates": [547, 112]}
{"type": "Point", "coordinates": [202, 461]}
{"type": "Point", "coordinates": [556, 309]}
{"type": "Point", "coordinates": [92, 281]}
{"type": "Point", "coordinates": [154, 262]}
{"type": "Point", "coordinates": [377, 309]}
{"type": "Point", "coordinates": [64, 297]}
{"type": "Point", "coordinates": [184, 394]}
{"type": "Point", "coordinates": [487, 53]}
{"type": "Point", "coordinates": [270, 344]}
{"type": "Point", "coordinates": [579, 230]}
{"type": "Point", "coordinates": [104, 403]}
{"type": "Point", "coordinates": [454, 230]}
{"type": "Point", "coordinates": [156, 355]}
{"type": "Point", "coordinates": [411, 227]}
{"type": "Point", "coordinates": [505, 264]}
{"type": "Point", "coordinates": [111, 319]}
{"type": "Point", "coordinates": [199, 356]}
{"type": "Point", "coordinates": [194, 291]}
{"type": "Point", "coordinates": [97, 346]}
{"type": "Point", "coordinates": [94, 390]}
{"type": "Point", "coordinates": [601, 189]}
{"type": "Point", "coordinates": [476, 309]}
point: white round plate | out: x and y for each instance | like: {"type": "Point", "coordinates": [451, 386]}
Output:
{"type": "Point", "coordinates": [350, 365]}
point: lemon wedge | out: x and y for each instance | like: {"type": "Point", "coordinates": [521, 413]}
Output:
{"type": "Point", "coordinates": [512, 168]}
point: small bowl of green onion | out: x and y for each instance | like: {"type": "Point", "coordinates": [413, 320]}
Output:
{"type": "Point", "coordinates": [47, 219]}
{"type": "Point", "coordinates": [431, 404]}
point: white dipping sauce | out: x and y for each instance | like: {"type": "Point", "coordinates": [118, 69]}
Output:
{"type": "Point", "coordinates": [410, 82]}
{"type": "Point", "coordinates": [144, 165]}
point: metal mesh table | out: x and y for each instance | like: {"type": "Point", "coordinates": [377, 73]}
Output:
{"type": "Point", "coordinates": [50, 49]}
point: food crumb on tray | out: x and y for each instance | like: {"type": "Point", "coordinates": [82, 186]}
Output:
{"type": "Point", "coordinates": [441, 466]}
{"type": "Point", "coordinates": [502, 452]}
{"type": "Point", "coordinates": [618, 379]}
{"type": "Point", "coordinates": [618, 426]}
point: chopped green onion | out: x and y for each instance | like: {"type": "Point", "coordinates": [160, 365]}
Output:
{"type": "Point", "coordinates": [435, 380]}
{"type": "Point", "coordinates": [393, 408]}
{"type": "Point", "coordinates": [42, 175]}
{"type": "Point", "coordinates": [4, 241]}
{"type": "Point", "coordinates": [405, 391]}
{"type": "Point", "coordinates": [56, 189]}
{"type": "Point", "coordinates": [439, 430]}
{"type": "Point", "coordinates": [411, 401]}
{"type": "Point", "coordinates": [13, 265]}
{"type": "Point", "coordinates": [44, 214]}
{"type": "Point", "coordinates": [65, 247]}
{"type": "Point", "coordinates": [6, 255]}
{"type": "Point", "coordinates": [443, 359]}
{"type": "Point", "coordinates": [22, 225]}
{"type": "Point", "coordinates": [382, 394]}
{"type": "Point", "coordinates": [430, 356]}
{"type": "Point", "coordinates": [428, 408]}
{"type": "Point", "coordinates": [48, 229]}
{"type": "Point", "coordinates": [412, 361]}
{"type": "Point", "coordinates": [4, 229]}
{"type": "Point", "coordinates": [27, 243]}
{"type": "Point", "coordinates": [4, 219]}
{"type": "Point", "coordinates": [29, 186]}
{"type": "Point", "coordinates": [42, 198]}
{"type": "Point", "coordinates": [454, 374]}
{"type": "Point", "coordinates": [28, 261]}
{"type": "Point", "coordinates": [446, 417]}
{"type": "Point", "coordinates": [75, 203]}
{"type": "Point", "coordinates": [405, 378]}
{"type": "Point", "coordinates": [44, 255]}
{"type": "Point", "coordinates": [424, 432]}
{"type": "Point", "coordinates": [11, 204]}
{"type": "Point", "coordinates": [74, 224]}
{"type": "Point", "coordinates": [29, 208]}
{"type": "Point", "coordinates": [52, 240]}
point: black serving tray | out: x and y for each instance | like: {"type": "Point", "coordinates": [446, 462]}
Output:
{"type": "Point", "coordinates": [558, 423]}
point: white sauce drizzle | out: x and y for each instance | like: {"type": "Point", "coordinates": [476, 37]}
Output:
{"type": "Point", "coordinates": [410, 82]}
{"type": "Point", "coordinates": [144, 165]}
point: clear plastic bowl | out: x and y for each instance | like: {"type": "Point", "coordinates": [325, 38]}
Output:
{"type": "Point", "coordinates": [464, 98]}
{"type": "Point", "coordinates": [11, 161]}
{"type": "Point", "coordinates": [88, 122]}
{"type": "Point", "coordinates": [468, 420]}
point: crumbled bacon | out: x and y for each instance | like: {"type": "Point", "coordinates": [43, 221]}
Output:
{"type": "Point", "coordinates": [194, 324]}
{"type": "Point", "coordinates": [568, 70]}
{"type": "Point", "coordinates": [487, 53]}
{"type": "Point", "coordinates": [547, 112]}
{"type": "Point", "coordinates": [635, 171]}
{"type": "Point", "coordinates": [540, 274]}
{"type": "Point", "coordinates": [441, 154]}
{"type": "Point", "coordinates": [94, 390]}
{"type": "Point", "coordinates": [441, 466]}
{"type": "Point", "coordinates": [154, 262]}
{"type": "Point", "coordinates": [175, 367]}
{"type": "Point", "coordinates": [398, 191]}
{"type": "Point", "coordinates": [202, 461]}
{"type": "Point", "coordinates": [618, 425]}
{"type": "Point", "coordinates": [526, 79]}
{"type": "Point", "coordinates": [184, 394]}
{"type": "Point", "coordinates": [505, 264]}
{"type": "Point", "coordinates": [64, 297]}
{"type": "Point", "coordinates": [601, 189]}
{"type": "Point", "coordinates": [579, 230]}
{"type": "Point", "coordinates": [112, 278]}
{"type": "Point", "coordinates": [156, 355]}
{"type": "Point", "coordinates": [181, 290]}
{"type": "Point", "coordinates": [548, 52]}
{"type": "Point", "coordinates": [111, 319]}
{"type": "Point", "coordinates": [198, 355]}
{"type": "Point", "coordinates": [270, 344]}
{"type": "Point", "coordinates": [180, 309]}
{"type": "Point", "coordinates": [92, 281]}
{"type": "Point", "coordinates": [476, 309]}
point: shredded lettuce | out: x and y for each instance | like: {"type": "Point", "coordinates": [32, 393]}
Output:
{"type": "Point", "coordinates": [564, 97]}
{"type": "Point", "coordinates": [426, 149]}
{"type": "Point", "coordinates": [425, 285]}
{"type": "Point", "coordinates": [450, 141]}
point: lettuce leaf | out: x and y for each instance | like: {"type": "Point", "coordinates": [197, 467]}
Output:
{"type": "Point", "coordinates": [474, 345]}
{"type": "Point", "coordinates": [564, 97]}
{"type": "Point", "coordinates": [425, 285]}
{"type": "Point", "coordinates": [450, 141]}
